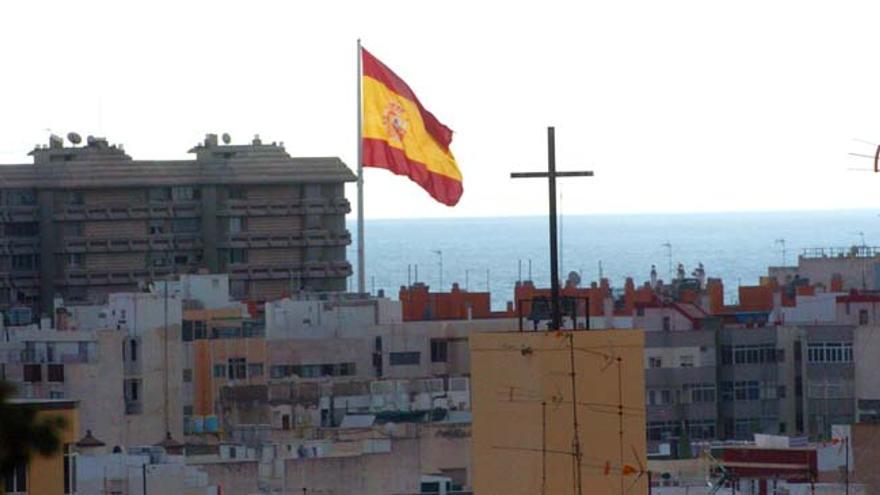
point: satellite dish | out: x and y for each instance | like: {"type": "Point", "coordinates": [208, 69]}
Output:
{"type": "Point", "coordinates": [74, 137]}
{"type": "Point", "coordinates": [574, 278]}
{"type": "Point", "coordinates": [226, 138]}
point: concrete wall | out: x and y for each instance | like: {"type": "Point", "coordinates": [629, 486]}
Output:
{"type": "Point", "coordinates": [866, 348]}
{"type": "Point", "coordinates": [395, 472]}
{"type": "Point", "coordinates": [514, 372]}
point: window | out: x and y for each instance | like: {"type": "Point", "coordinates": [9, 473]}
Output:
{"type": "Point", "coordinates": [219, 370]}
{"type": "Point", "coordinates": [159, 194]}
{"type": "Point", "coordinates": [238, 289]}
{"type": "Point", "coordinates": [72, 229]}
{"type": "Point", "coordinates": [701, 429]}
{"type": "Point", "coordinates": [237, 193]}
{"type": "Point", "coordinates": [237, 368]}
{"type": "Point", "coordinates": [55, 373]}
{"type": "Point", "coordinates": [746, 427]}
{"type": "Point", "coordinates": [184, 193]}
{"type": "Point", "coordinates": [655, 362]}
{"type": "Point", "coordinates": [439, 350]}
{"type": "Point", "coordinates": [200, 330]}
{"type": "Point", "coordinates": [186, 331]}
{"type": "Point", "coordinates": [740, 391]}
{"type": "Point", "coordinates": [236, 225]}
{"type": "Point", "coordinates": [16, 480]}
{"type": "Point", "coordinates": [33, 373]}
{"type": "Point", "coordinates": [225, 332]}
{"type": "Point", "coordinates": [829, 352]}
{"type": "Point", "coordinates": [157, 226]}
{"type": "Point", "coordinates": [700, 392]}
{"type": "Point", "coordinates": [687, 361]}
{"type": "Point", "coordinates": [255, 369]}
{"type": "Point", "coordinates": [187, 375]}
{"type": "Point", "coordinates": [20, 197]}
{"type": "Point", "coordinates": [21, 229]}
{"type": "Point", "coordinates": [75, 198]}
{"type": "Point", "coordinates": [181, 259]}
{"type": "Point", "coordinates": [185, 225]}
{"type": "Point", "coordinates": [237, 255]}
{"type": "Point", "coordinates": [405, 358]}
{"type": "Point", "coordinates": [667, 324]}
{"type": "Point", "coordinates": [75, 260]}
{"type": "Point", "coordinates": [665, 397]}
{"type": "Point", "coordinates": [253, 328]}
{"type": "Point", "coordinates": [726, 354]}
{"type": "Point", "coordinates": [23, 262]}
{"type": "Point", "coordinates": [863, 317]}
{"type": "Point", "coordinates": [133, 350]}
{"type": "Point", "coordinates": [662, 430]}
{"type": "Point", "coordinates": [769, 390]}
{"type": "Point", "coordinates": [132, 390]}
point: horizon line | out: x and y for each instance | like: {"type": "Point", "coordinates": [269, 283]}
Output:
{"type": "Point", "coordinates": [608, 214]}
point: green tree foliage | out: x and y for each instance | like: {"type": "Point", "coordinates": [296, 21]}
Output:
{"type": "Point", "coordinates": [22, 434]}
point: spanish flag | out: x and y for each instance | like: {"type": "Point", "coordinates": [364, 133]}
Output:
{"type": "Point", "coordinates": [400, 135]}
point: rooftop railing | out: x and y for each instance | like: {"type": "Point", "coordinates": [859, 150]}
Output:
{"type": "Point", "coordinates": [841, 252]}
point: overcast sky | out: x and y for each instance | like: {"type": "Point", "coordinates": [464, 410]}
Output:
{"type": "Point", "coordinates": [677, 106]}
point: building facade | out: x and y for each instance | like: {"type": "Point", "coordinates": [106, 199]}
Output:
{"type": "Point", "coordinates": [84, 221]}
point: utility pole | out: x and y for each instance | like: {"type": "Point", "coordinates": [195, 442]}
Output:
{"type": "Point", "coordinates": [846, 468]}
{"type": "Point", "coordinates": [439, 253]}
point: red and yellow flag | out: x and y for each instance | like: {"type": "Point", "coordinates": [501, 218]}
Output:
{"type": "Point", "coordinates": [400, 135]}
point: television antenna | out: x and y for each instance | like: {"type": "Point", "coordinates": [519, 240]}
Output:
{"type": "Point", "coordinates": [782, 242]}
{"type": "Point", "coordinates": [668, 247]}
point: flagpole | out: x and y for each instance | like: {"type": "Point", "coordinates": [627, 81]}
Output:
{"type": "Point", "coordinates": [362, 285]}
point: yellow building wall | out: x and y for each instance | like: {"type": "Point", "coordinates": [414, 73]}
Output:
{"type": "Point", "coordinates": [45, 475]}
{"type": "Point", "coordinates": [513, 373]}
{"type": "Point", "coordinates": [208, 352]}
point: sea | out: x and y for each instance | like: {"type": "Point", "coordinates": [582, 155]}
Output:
{"type": "Point", "coordinates": [491, 254]}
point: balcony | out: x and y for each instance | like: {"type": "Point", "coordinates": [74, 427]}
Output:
{"type": "Point", "coordinates": [311, 269]}
{"type": "Point", "coordinates": [20, 245]}
{"type": "Point", "coordinates": [162, 242]}
{"type": "Point", "coordinates": [177, 209]}
{"type": "Point", "coordinates": [306, 238]}
{"type": "Point", "coordinates": [133, 407]}
{"type": "Point", "coordinates": [294, 206]}
{"type": "Point", "coordinates": [32, 357]}
{"type": "Point", "coordinates": [19, 213]}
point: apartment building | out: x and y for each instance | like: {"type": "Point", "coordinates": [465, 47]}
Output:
{"type": "Point", "coordinates": [82, 222]}
{"type": "Point", "coordinates": [121, 360]}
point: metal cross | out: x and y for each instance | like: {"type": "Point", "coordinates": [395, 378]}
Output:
{"type": "Point", "coordinates": [551, 174]}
